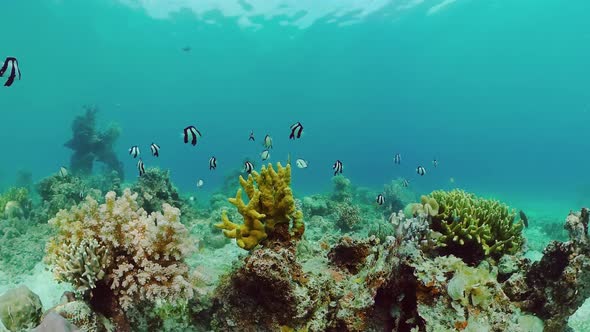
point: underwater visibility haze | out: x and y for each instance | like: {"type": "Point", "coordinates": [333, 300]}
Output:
{"type": "Point", "coordinates": [282, 165]}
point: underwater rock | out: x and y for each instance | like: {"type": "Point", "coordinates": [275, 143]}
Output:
{"type": "Point", "coordinates": [81, 315]}
{"type": "Point", "coordinates": [558, 284]}
{"type": "Point", "coordinates": [266, 292]}
{"type": "Point", "coordinates": [90, 145]}
{"type": "Point", "coordinates": [454, 296]}
{"type": "Point", "coordinates": [20, 309]}
{"type": "Point", "coordinates": [350, 254]}
{"type": "Point", "coordinates": [315, 205]}
{"type": "Point", "coordinates": [15, 203]}
{"type": "Point", "coordinates": [13, 210]}
{"type": "Point", "coordinates": [53, 322]}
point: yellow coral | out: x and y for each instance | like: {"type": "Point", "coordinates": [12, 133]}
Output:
{"type": "Point", "coordinates": [271, 203]}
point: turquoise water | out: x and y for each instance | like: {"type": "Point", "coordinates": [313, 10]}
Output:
{"type": "Point", "coordinates": [497, 91]}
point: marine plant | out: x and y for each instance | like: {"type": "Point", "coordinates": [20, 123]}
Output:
{"type": "Point", "coordinates": [473, 228]}
{"type": "Point", "coordinates": [117, 255]}
{"type": "Point", "coordinates": [90, 145]}
{"type": "Point", "coordinates": [269, 212]}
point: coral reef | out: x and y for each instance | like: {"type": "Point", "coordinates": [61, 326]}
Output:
{"type": "Point", "coordinates": [118, 255]}
{"type": "Point", "coordinates": [350, 254]}
{"type": "Point", "coordinates": [557, 285]}
{"type": "Point", "coordinates": [15, 203]}
{"type": "Point", "coordinates": [453, 296]}
{"type": "Point", "coordinates": [20, 309]}
{"type": "Point", "coordinates": [269, 212]}
{"type": "Point", "coordinates": [348, 215]}
{"type": "Point", "coordinates": [474, 228]}
{"type": "Point", "coordinates": [342, 190]}
{"type": "Point", "coordinates": [90, 145]}
{"type": "Point", "coordinates": [397, 197]}
{"type": "Point", "coordinates": [155, 188]}
{"type": "Point", "coordinates": [264, 293]}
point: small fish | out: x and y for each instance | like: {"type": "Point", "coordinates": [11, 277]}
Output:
{"type": "Point", "coordinates": [200, 183]}
{"type": "Point", "coordinates": [452, 180]}
{"type": "Point", "coordinates": [267, 142]}
{"type": "Point", "coordinates": [140, 167]}
{"type": "Point", "coordinates": [524, 219]}
{"type": "Point", "coordinates": [380, 199]}
{"type": "Point", "coordinates": [186, 49]}
{"type": "Point", "coordinates": [155, 149]}
{"type": "Point", "coordinates": [337, 167]}
{"type": "Point", "coordinates": [213, 163]}
{"type": "Point", "coordinates": [405, 183]}
{"type": "Point", "coordinates": [81, 194]}
{"type": "Point", "coordinates": [265, 155]}
{"type": "Point", "coordinates": [397, 159]}
{"type": "Point", "coordinates": [192, 198]}
{"type": "Point", "coordinates": [435, 162]}
{"type": "Point", "coordinates": [63, 172]}
{"type": "Point", "coordinates": [14, 70]}
{"type": "Point", "coordinates": [251, 138]}
{"type": "Point", "coordinates": [296, 130]}
{"type": "Point", "coordinates": [248, 167]}
{"type": "Point", "coordinates": [421, 170]}
{"type": "Point", "coordinates": [134, 151]}
{"type": "Point", "coordinates": [191, 134]}
{"type": "Point", "coordinates": [301, 163]}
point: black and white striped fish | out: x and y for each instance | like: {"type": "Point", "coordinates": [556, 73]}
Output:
{"type": "Point", "coordinates": [63, 172]}
{"type": "Point", "coordinates": [267, 142]}
{"type": "Point", "coordinates": [251, 138]}
{"type": "Point", "coordinates": [191, 134]}
{"type": "Point", "coordinates": [248, 167]}
{"type": "Point", "coordinates": [435, 162]}
{"type": "Point", "coordinates": [12, 64]}
{"type": "Point", "coordinates": [380, 199]}
{"type": "Point", "coordinates": [397, 159]}
{"type": "Point", "coordinates": [134, 151]}
{"type": "Point", "coordinates": [265, 155]}
{"type": "Point", "coordinates": [421, 170]}
{"type": "Point", "coordinates": [337, 167]}
{"type": "Point", "coordinates": [213, 163]}
{"type": "Point", "coordinates": [296, 130]}
{"type": "Point", "coordinates": [155, 149]}
{"type": "Point", "coordinates": [405, 183]}
{"type": "Point", "coordinates": [140, 167]}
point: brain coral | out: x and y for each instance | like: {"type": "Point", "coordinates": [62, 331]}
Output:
{"type": "Point", "coordinates": [117, 248]}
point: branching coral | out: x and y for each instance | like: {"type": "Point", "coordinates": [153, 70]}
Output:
{"type": "Point", "coordinates": [116, 250]}
{"type": "Point", "coordinates": [269, 212]}
{"type": "Point", "coordinates": [474, 228]}
{"type": "Point", "coordinates": [90, 145]}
